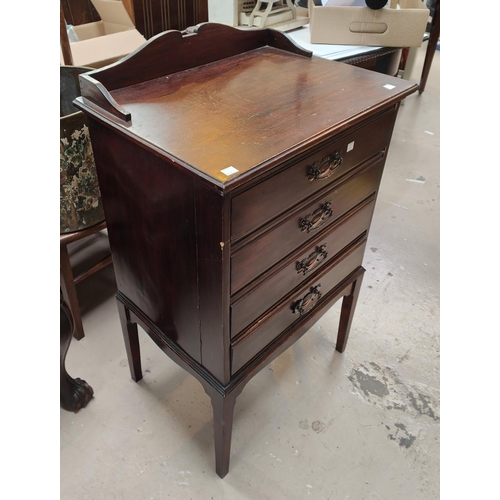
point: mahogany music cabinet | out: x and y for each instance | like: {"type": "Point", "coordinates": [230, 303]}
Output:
{"type": "Point", "coordinates": [238, 176]}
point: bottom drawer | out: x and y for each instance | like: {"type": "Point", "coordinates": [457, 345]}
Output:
{"type": "Point", "coordinates": [250, 343]}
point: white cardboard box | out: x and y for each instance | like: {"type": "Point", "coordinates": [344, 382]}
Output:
{"type": "Point", "coordinates": [387, 27]}
{"type": "Point", "coordinates": [106, 41]}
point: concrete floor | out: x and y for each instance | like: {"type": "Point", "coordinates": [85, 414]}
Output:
{"type": "Point", "coordinates": [314, 424]}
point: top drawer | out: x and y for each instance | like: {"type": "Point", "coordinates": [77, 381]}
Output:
{"type": "Point", "coordinates": [254, 207]}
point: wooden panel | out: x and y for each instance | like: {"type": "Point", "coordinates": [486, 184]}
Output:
{"type": "Point", "coordinates": [150, 215]}
{"type": "Point", "coordinates": [212, 237]}
{"type": "Point", "coordinates": [251, 305]}
{"type": "Point", "coordinates": [78, 12]}
{"type": "Point", "coordinates": [155, 16]}
{"type": "Point", "coordinates": [171, 55]}
{"type": "Point", "coordinates": [277, 194]}
{"type": "Point", "coordinates": [272, 246]}
{"type": "Point", "coordinates": [266, 330]}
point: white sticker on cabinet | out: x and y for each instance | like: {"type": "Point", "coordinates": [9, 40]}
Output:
{"type": "Point", "coordinates": [229, 170]}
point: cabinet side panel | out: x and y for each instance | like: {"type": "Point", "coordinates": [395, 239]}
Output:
{"type": "Point", "coordinates": [212, 226]}
{"type": "Point", "coordinates": [150, 216]}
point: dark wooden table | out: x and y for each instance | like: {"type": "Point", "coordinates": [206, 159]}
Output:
{"type": "Point", "coordinates": [238, 176]}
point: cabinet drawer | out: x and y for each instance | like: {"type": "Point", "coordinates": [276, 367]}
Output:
{"type": "Point", "coordinates": [266, 330]}
{"type": "Point", "coordinates": [260, 298]}
{"type": "Point", "coordinates": [252, 208]}
{"type": "Point", "coordinates": [253, 259]}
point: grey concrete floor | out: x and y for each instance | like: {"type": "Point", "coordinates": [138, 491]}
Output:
{"type": "Point", "coordinates": [314, 424]}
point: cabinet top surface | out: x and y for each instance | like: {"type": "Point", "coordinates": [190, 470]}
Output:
{"type": "Point", "coordinates": [229, 119]}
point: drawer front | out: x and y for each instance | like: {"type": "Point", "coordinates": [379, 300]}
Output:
{"type": "Point", "coordinates": [303, 302]}
{"type": "Point", "coordinates": [251, 305]}
{"type": "Point", "coordinates": [272, 197]}
{"type": "Point", "coordinates": [262, 253]}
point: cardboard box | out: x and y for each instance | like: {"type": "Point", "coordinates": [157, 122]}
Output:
{"type": "Point", "coordinates": [106, 41]}
{"type": "Point", "coordinates": [387, 27]}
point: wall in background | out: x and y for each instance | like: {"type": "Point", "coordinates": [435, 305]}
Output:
{"type": "Point", "coordinates": [150, 16]}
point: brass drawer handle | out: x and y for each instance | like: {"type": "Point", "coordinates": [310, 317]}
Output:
{"type": "Point", "coordinates": [321, 170]}
{"type": "Point", "coordinates": [304, 305]}
{"type": "Point", "coordinates": [313, 261]}
{"type": "Point", "coordinates": [317, 218]}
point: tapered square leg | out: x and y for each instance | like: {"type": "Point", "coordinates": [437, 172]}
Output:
{"type": "Point", "coordinates": [347, 313]}
{"type": "Point", "coordinates": [131, 338]}
{"type": "Point", "coordinates": [223, 410]}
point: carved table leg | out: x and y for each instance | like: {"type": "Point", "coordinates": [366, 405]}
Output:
{"type": "Point", "coordinates": [223, 410]}
{"type": "Point", "coordinates": [75, 393]}
{"type": "Point", "coordinates": [347, 313]}
{"type": "Point", "coordinates": [69, 292]}
{"type": "Point", "coordinates": [131, 337]}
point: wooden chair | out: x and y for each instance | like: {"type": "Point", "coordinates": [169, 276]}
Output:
{"type": "Point", "coordinates": [83, 240]}
{"type": "Point", "coordinates": [83, 253]}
